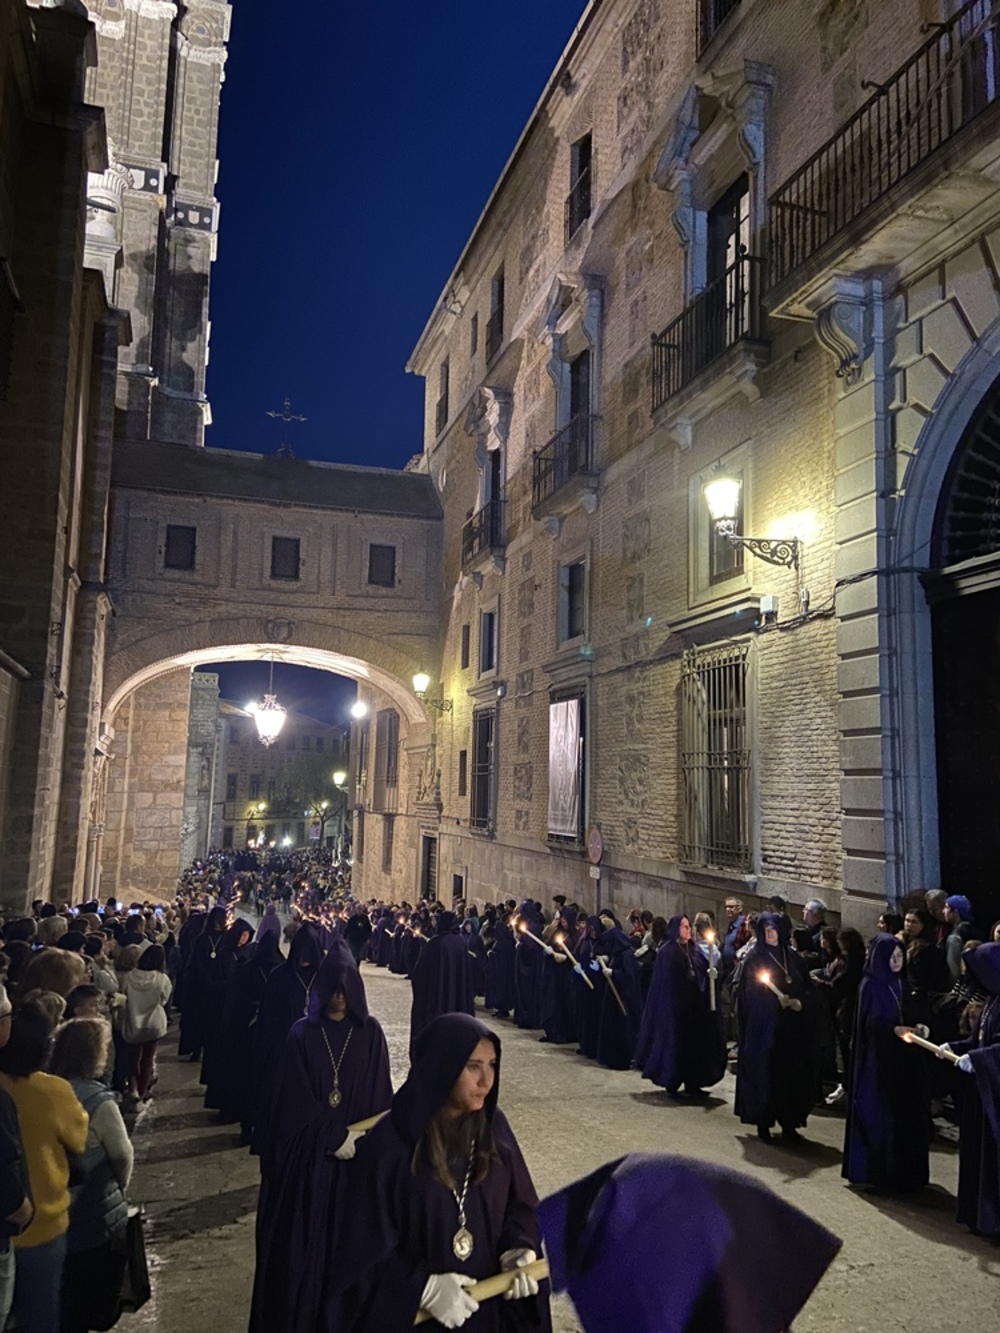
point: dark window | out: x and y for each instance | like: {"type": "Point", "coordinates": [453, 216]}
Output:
{"type": "Point", "coordinates": [291, 743]}
{"type": "Point", "coordinates": [573, 600]}
{"type": "Point", "coordinates": [307, 742]}
{"type": "Point", "coordinates": [386, 759]}
{"type": "Point", "coordinates": [716, 759]}
{"type": "Point", "coordinates": [725, 560]}
{"type": "Point", "coordinates": [300, 830]}
{"type": "Point", "coordinates": [474, 334]}
{"type": "Point", "coordinates": [179, 547]}
{"type": "Point", "coordinates": [359, 835]}
{"type": "Point", "coordinates": [270, 793]}
{"type": "Point", "coordinates": [284, 557]}
{"type": "Point", "coordinates": [382, 566]}
{"type": "Point", "coordinates": [388, 830]}
{"type": "Point", "coordinates": [428, 868]}
{"type": "Point", "coordinates": [251, 833]}
{"type": "Point", "coordinates": [487, 642]}
{"type": "Point", "coordinates": [711, 18]}
{"type": "Point", "coordinates": [254, 786]}
{"type": "Point", "coordinates": [441, 412]}
{"type": "Point", "coordinates": [484, 721]}
{"type": "Point", "coordinates": [269, 833]}
{"type": "Point", "coordinates": [463, 772]}
{"type": "Point", "coordinates": [579, 386]}
{"type": "Point", "coordinates": [231, 786]}
{"type": "Point", "coordinates": [227, 836]}
{"type": "Point", "coordinates": [728, 229]}
{"type": "Point", "coordinates": [578, 201]}
{"type": "Point", "coordinates": [494, 329]}
{"type": "Point", "coordinates": [320, 744]}
{"type": "Point", "coordinates": [466, 636]}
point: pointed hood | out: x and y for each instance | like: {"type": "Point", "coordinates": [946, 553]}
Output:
{"type": "Point", "coordinates": [305, 947]}
{"type": "Point", "coordinates": [880, 952]}
{"type": "Point", "coordinates": [338, 972]}
{"type": "Point", "coordinates": [983, 963]}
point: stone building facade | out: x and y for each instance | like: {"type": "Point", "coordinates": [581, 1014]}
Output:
{"type": "Point", "coordinates": [761, 237]}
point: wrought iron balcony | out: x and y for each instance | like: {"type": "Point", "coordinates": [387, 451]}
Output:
{"type": "Point", "coordinates": [940, 90]}
{"type": "Point", "coordinates": [568, 454]}
{"type": "Point", "coordinates": [726, 313]}
{"type": "Point", "coordinates": [483, 532]}
{"type": "Point", "coordinates": [441, 414]}
{"type": "Point", "coordinates": [711, 16]}
{"type": "Point", "coordinates": [578, 204]}
{"type": "Point", "coordinates": [494, 333]}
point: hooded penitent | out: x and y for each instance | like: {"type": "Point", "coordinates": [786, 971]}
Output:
{"type": "Point", "coordinates": [528, 967]}
{"type": "Point", "coordinates": [709, 1230]}
{"type": "Point", "coordinates": [888, 1130]}
{"type": "Point", "coordinates": [442, 978]}
{"type": "Point", "coordinates": [681, 1039]}
{"type": "Point", "coordinates": [979, 1139]}
{"type": "Point", "coordinates": [304, 1189]}
{"type": "Point", "coordinates": [402, 1225]}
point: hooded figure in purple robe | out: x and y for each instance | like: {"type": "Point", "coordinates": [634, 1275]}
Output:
{"type": "Point", "coordinates": [285, 999]}
{"type": "Point", "coordinates": [219, 973]}
{"type": "Point", "coordinates": [239, 1018]}
{"type": "Point", "coordinates": [404, 1219]}
{"type": "Point", "coordinates": [189, 932]}
{"type": "Point", "coordinates": [339, 1049]}
{"type": "Point", "coordinates": [888, 1133]}
{"type": "Point", "coordinates": [558, 998]}
{"type": "Point", "coordinates": [528, 959]}
{"type": "Point", "coordinates": [617, 1031]}
{"type": "Point", "coordinates": [500, 971]}
{"type": "Point", "coordinates": [442, 979]}
{"type": "Point", "coordinates": [712, 1230]}
{"type": "Point", "coordinates": [270, 924]}
{"type": "Point", "coordinates": [477, 954]}
{"type": "Point", "coordinates": [589, 1001]}
{"type": "Point", "coordinates": [979, 1141]}
{"type": "Point", "coordinates": [777, 1077]}
{"type": "Point", "coordinates": [681, 1039]}
{"type": "Point", "coordinates": [382, 939]}
{"type": "Point", "coordinates": [414, 942]}
{"type": "Point", "coordinates": [205, 948]}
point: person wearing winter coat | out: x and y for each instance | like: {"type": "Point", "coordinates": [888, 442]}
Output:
{"type": "Point", "coordinates": [144, 1019]}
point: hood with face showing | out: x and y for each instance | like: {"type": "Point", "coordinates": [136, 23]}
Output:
{"type": "Point", "coordinates": [448, 1069]}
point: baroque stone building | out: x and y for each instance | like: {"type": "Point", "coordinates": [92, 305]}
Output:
{"type": "Point", "coordinates": [757, 244]}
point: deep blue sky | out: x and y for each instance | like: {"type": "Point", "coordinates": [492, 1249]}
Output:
{"type": "Point", "coordinates": [358, 145]}
{"type": "Point", "coordinates": [318, 694]}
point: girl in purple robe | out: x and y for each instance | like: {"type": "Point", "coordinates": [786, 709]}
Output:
{"type": "Point", "coordinates": [979, 1141]}
{"type": "Point", "coordinates": [334, 1072]}
{"type": "Point", "coordinates": [441, 1198]}
{"type": "Point", "coordinates": [680, 1041]}
{"type": "Point", "coordinates": [888, 1133]}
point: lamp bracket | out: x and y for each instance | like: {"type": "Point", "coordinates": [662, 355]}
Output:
{"type": "Point", "coordinates": [442, 705]}
{"type": "Point", "coordinates": [773, 550]}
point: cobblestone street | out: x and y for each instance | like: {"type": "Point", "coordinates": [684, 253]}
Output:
{"type": "Point", "coordinates": [904, 1265]}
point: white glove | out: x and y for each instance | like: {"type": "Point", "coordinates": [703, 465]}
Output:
{"type": "Point", "coordinates": [595, 965]}
{"type": "Point", "coordinates": [578, 969]}
{"type": "Point", "coordinates": [349, 1147]}
{"type": "Point", "coordinates": [965, 1065]}
{"type": "Point", "coordinates": [523, 1285]}
{"type": "Point", "coordinates": [943, 1049]}
{"type": "Point", "coordinates": [549, 950]}
{"type": "Point", "coordinates": [605, 969]}
{"type": "Point", "coordinates": [445, 1299]}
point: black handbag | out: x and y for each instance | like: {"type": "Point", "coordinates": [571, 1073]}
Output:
{"type": "Point", "coordinates": [135, 1287]}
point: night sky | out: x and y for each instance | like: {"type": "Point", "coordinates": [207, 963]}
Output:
{"type": "Point", "coordinates": [357, 147]}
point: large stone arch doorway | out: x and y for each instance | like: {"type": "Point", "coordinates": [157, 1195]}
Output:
{"type": "Point", "coordinates": [963, 590]}
{"type": "Point", "coordinates": [139, 827]}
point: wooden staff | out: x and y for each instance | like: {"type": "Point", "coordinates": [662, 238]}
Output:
{"type": "Point", "coordinates": [614, 990]}
{"type": "Point", "coordinates": [908, 1035]}
{"type": "Point", "coordinates": [498, 1284]}
{"type": "Point", "coordinates": [562, 945]}
{"type": "Point", "coordinates": [523, 928]}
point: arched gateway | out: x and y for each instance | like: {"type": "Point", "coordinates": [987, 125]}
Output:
{"type": "Point", "coordinates": [217, 556]}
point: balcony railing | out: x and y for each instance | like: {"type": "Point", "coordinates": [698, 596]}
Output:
{"type": "Point", "coordinates": [953, 77]}
{"type": "Point", "coordinates": [568, 454]}
{"type": "Point", "coordinates": [578, 204]}
{"type": "Point", "coordinates": [711, 16]}
{"type": "Point", "coordinates": [441, 414]}
{"type": "Point", "coordinates": [724, 314]}
{"type": "Point", "coordinates": [494, 333]}
{"type": "Point", "coordinates": [483, 532]}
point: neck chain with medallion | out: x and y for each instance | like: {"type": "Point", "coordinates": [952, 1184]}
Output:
{"type": "Point", "coordinates": [307, 989]}
{"type": "Point", "coordinates": [463, 1242]}
{"type": "Point", "coordinates": [335, 1097]}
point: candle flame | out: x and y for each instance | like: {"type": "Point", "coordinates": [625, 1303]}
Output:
{"type": "Point", "coordinates": [560, 940]}
{"type": "Point", "coordinates": [765, 978]}
{"type": "Point", "coordinates": [522, 925]}
{"type": "Point", "coordinates": [710, 936]}
{"type": "Point", "coordinates": [907, 1036]}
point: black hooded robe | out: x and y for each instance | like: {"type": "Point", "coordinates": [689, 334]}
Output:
{"type": "Point", "coordinates": [401, 1226]}
{"type": "Point", "coordinates": [239, 1017]}
{"type": "Point", "coordinates": [979, 1139]}
{"type": "Point", "coordinates": [500, 971]}
{"type": "Point", "coordinates": [304, 1190]}
{"type": "Point", "coordinates": [442, 979]}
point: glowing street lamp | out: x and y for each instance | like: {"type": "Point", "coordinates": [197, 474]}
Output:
{"type": "Point", "coordinates": [339, 778]}
{"type": "Point", "coordinates": [421, 684]}
{"type": "Point", "coordinates": [722, 495]}
{"type": "Point", "coordinates": [359, 709]}
{"type": "Point", "coordinates": [269, 715]}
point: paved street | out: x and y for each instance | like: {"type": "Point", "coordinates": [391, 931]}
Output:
{"type": "Point", "coordinates": [905, 1264]}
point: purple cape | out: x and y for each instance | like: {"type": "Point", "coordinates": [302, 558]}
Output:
{"type": "Point", "coordinates": [709, 1231]}
{"type": "Point", "coordinates": [617, 1032]}
{"type": "Point", "coordinates": [442, 978]}
{"type": "Point", "coordinates": [401, 1225]}
{"type": "Point", "coordinates": [500, 971]}
{"type": "Point", "coordinates": [680, 1040]}
{"type": "Point", "coordinates": [979, 1142]}
{"type": "Point", "coordinates": [303, 1191]}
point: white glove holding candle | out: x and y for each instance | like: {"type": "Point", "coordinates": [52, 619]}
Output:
{"type": "Point", "coordinates": [523, 1285]}
{"type": "Point", "coordinates": [349, 1147]}
{"type": "Point", "coordinates": [445, 1298]}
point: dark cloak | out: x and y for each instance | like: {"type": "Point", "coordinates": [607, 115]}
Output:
{"type": "Point", "coordinates": [382, 939]}
{"type": "Point", "coordinates": [285, 1000]}
{"type": "Point", "coordinates": [357, 933]}
{"type": "Point", "coordinates": [189, 932]}
{"type": "Point", "coordinates": [500, 971]}
{"type": "Point", "coordinates": [477, 956]}
{"type": "Point", "coordinates": [414, 947]}
{"type": "Point", "coordinates": [195, 980]}
{"type": "Point", "coordinates": [558, 997]}
{"type": "Point", "coordinates": [218, 974]}
{"type": "Point", "coordinates": [442, 978]}
{"type": "Point", "coordinates": [617, 1032]}
{"type": "Point", "coordinates": [680, 1040]}
{"type": "Point", "coordinates": [401, 1225]}
{"type": "Point", "coordinates": [303, 1189]}
{"type": "Point", "coordinates": [711, 1232]}
{"type": "Point", "coordinates": [528, 958]}
{"type": "Point", "coordinates": [589, 1002]}
{"type": "Point", "coordinates": [239, 1016]}
{"type": "Point", "coordinates": [979, 1141]}
{"type": "Point", "coordinates": [888, 1132]}
{"type": "Point", "coordinates": [396, 962]}
{"type": "Point", "coordinates": [777, 1075]}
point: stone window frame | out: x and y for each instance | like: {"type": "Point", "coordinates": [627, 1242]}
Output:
{"type": "Point", "coordinates": [487, 420]}
{"type": "Point", "coordinates": [489, 607]}
{"type": "Point", "coordinates": [558, 694]}
{"type": "Point", "coordinates": [572, 322]}
{"type": "Point", "coordinates": [382, 536]}
{"type": "Point", "coordinates": [701, 590]}
{"type": "Point", "coordinates": [576, 557]}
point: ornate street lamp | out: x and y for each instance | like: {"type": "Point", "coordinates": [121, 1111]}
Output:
{"type": "Point", "coordinates": [269, 715]}
{"type": "Point", "coordinates": [421, 684]}
{"type": "Point", "coordinates": [722, 495]}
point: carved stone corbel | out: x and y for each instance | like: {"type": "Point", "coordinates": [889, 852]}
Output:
{"type": "Point", "coordinates": [844, 327]}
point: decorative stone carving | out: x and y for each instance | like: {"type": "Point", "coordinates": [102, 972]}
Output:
{"type": "Point", "coordinates": [844, 327]}
{"type": "Point", "coordinates": [488, 421]}
{"type": "Point", "coordinates": [279, 631]}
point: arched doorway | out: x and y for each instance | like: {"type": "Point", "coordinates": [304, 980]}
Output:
{"type": "Point", "coordinates": [964, 594]}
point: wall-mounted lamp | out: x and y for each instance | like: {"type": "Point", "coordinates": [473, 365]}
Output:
{"type": "Point", "coordinates": [359, 709]}
{"type": "Point", "coordinates": [421, 684]}
{"type": "Point", "coordinates": [722, 495]}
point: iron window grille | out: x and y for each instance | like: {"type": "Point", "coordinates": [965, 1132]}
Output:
{"type": "Point", "coordinates": [483, 531]}
{"type": "Point", "coordinates": [386, 760]}
{"type": "Point", "coordinates": [712, 14]}
{"type": "Point", "coordinates": [481, 813]}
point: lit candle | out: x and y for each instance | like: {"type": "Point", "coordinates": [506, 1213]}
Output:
{"type": "Point", "coordinates": [523, 928]}
{"type": "Point", "coordinates": [786, 1001]}
{"type": "Point", "coordinates": [908, 1035]}
{"type": "Point", "coordinates": [712, 973]}
{"type": "Point", "coordinates": [561, 941]}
